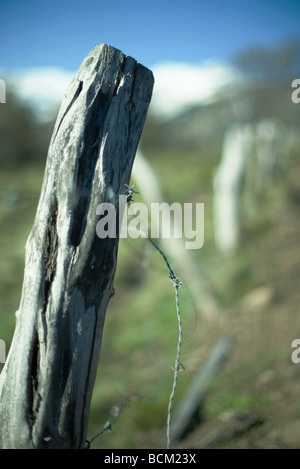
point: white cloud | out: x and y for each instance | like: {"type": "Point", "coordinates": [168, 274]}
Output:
{"type": "Point", "coordinates": [177, 86]}
{"type": "Point", "coordinates": [181, 85]}
{"type": "Point", "coordinates": [42, 89]}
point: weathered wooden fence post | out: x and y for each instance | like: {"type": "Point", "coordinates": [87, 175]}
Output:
{"type": "Point", "coordinates": [47, 382]}
{"type": "Point", "coordinates": [227, 187]}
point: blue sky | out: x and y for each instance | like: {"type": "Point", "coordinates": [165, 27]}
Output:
{"type": "Point", "coordinates": [61, 33]}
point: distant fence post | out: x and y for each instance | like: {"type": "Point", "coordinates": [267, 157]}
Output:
{"type": "Point", "coordinates": [46, 384]}
{"type": "Point", "coordinates": [201, 291]}
{"type": "Point", "coordinates": [227, 187]}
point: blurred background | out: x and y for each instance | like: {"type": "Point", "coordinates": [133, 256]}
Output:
{"type": "Point", "coordinates": [223, 130]}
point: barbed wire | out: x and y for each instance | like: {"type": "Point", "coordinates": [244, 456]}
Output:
{"type": "Point", "coordinates": [116, 412]}
{"type": "Point", "coordinates": [178, 366]}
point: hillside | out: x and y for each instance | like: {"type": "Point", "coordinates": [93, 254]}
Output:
{"type": "Point", "coordinates": [256, 287]}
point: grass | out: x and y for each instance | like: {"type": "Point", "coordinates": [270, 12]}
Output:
{"type": "Point", "coordinates": [140, 334]}
{"type": "Point", "coordinates": [18, 201]}
{"type": "Point", "coordinates": [229, 390]}
{"type": "Point", "coordinates": [238, 402]}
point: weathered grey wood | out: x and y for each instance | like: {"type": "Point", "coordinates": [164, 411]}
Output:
{"type": "Point", "coordinates": [252, 155]}
{"type": "Point", "coordinates": [192, 400]}
{"type": "Point", "coordinates": [47, 382]}
{"type": "Point", "coordinates": [227, 187]}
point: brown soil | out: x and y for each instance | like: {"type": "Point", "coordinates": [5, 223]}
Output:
{"type": "Point", "coordinates": [264, 323]}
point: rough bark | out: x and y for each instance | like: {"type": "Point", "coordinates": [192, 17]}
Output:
{"type": "Point", "coordinates": [47, 382]}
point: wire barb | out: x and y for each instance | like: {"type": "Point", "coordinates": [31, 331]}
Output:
{"type": "Point", "coordinates": [179, 368]}
{"type": "Point", "coordinates": [130, 192]}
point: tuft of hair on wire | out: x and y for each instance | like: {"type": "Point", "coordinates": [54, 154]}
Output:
{"type": "Point", "coordinates": [116, 412]}
{"type": "Point", "coordinates": [178, 365]}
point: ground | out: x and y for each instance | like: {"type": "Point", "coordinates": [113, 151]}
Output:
{"type": "Point", "coordinates": [253, 401]}
{"type": "Point", "coordinates": [264, 323]}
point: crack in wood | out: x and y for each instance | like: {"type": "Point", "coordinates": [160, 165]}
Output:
{"type": "Point", "coordinates": [50, 249]}
{"type": "Point", "coordinates": [87, 164]}
{"type": "Point", "coordinates": [34, 396]}
{"type": "Point", "coordinates": [77, 93]}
